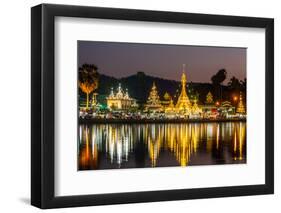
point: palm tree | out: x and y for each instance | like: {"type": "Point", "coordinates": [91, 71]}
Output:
{"type": "Point", "coordinates": [88, 79]}
{"type": "Point", "coordinates": [234, 83]}
{"type": "Point", "coordinates": [217, 80]}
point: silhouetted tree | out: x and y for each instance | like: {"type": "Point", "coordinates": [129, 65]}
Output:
{"type": "Point", "coordinates": [234, 84]}
{"type": "Point", "coordinates": [244, 84]}
{"type": "Point", "coordinates": [219, 77]}
{"type": "Point", "coordinates": [217, 80]}
{"type": "Point", "coordinates": [88, 79]}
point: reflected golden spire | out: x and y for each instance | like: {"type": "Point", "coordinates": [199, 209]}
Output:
{"type": "Point", "coordinates": [154, 145]}
{"type": "Point", "coordinates": [242, 131]}
{"type": "Point", "coordinates": [218, 136]}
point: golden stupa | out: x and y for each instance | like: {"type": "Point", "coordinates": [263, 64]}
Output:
{"type": "Point", "coordinates": [183, 103]}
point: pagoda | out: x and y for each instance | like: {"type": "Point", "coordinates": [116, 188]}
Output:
{"type": "Point", "coordinates": [241, 108]}
{"type": "Point", "coordinates": [209, 98]}
{"type": "Point", "coordinates": [196, 110]}
{"type": "Point", "coordinates": [166, 99]}
{"type": "Point", "coordinates": [183, 103]}
{"type": "Point", "coordinates": [170, 107]}
{"type": "Point", "coordinates": [153, 101]}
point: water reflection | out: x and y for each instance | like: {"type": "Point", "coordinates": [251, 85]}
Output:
{"type": "Point", "coordinates": [109, 146]}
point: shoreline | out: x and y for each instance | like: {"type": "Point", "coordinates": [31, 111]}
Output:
{"type": "Point", "coordinates": [158, 121]}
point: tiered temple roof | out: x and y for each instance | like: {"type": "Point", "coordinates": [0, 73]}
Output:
{"type": "Point", "coordinates": [241, 108]}
{"type": "Point", "coordinates": [153, 101]}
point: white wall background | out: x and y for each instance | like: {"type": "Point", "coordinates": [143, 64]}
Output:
{"type": "Point", "coordinates": [15, 99]}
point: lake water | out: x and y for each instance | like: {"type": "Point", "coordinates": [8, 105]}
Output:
{"type": "Point", "coordinates": [117, 146]}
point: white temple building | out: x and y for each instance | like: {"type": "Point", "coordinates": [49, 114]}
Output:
{"type": "Point", "coordinates": [120, 100]}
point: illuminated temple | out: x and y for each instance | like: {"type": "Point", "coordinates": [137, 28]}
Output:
{"type": "Point", "coordinates": [173, 106]}
{"type": "Point", "coordinates": [241, 107]}
{"type": "Point", "coordinates": [120, 100]}
{"type": "Point", "coordinates": [182, 106]}
{"type": "Point", "coordinates": [183, 103]}
{"type": "Point", "coordinates": [153, 102]}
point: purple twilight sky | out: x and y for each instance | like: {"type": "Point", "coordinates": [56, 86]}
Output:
{"type": "Point", "coordinates": [162, 60]}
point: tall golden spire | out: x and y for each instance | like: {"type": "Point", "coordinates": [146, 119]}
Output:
{"type": "Point", "coordinates": [183, 103]}
{"type": "Point", "coordinates": [183, 77]}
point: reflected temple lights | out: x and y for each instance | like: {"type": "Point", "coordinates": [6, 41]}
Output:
{"type": "Point", "coordinates": [109, 146]}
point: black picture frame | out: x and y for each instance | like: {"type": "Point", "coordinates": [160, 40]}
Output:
{"type": "Point", "coordinates": [43, 111]}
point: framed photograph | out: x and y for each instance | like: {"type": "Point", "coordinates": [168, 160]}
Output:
{"type": "Point", "coordinates": [139, 106]}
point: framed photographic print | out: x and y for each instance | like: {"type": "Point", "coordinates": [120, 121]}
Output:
{"type": "Point", "coordinates": [140, 106]}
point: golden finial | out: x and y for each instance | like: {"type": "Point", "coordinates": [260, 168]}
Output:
{"type": "Point", "coordinates": [183, 77]}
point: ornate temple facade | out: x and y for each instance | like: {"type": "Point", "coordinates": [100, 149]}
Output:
{"type": "Point", "coordinates": [153, 102]}
{"type": "Point", "coordinates": [120, 100]}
